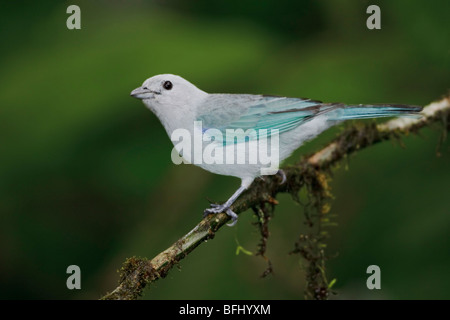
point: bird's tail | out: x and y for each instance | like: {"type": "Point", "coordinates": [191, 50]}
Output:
{"type": "Point", "coordinates": [361, 111]}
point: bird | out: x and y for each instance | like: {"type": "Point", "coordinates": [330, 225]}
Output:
{"type": "Point", "coordinates": [287, 122]}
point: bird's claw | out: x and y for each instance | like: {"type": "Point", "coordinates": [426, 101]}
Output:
{"type": "Point", "coordinates": [282, 175]}
{"type": "Point", "coordinates": [218, 208]}
{"type": "Point", "coordinates": [215, 208]}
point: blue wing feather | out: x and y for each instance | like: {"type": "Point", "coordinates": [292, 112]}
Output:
{"type": "Point", "coordinates": [260, 112]}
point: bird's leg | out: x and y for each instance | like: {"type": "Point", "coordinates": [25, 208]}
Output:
{"type": "Point", "coordinates": [218, 208]}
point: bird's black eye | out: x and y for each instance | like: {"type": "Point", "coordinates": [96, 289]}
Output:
{"type": "Point", "coordinates": [167, 85]}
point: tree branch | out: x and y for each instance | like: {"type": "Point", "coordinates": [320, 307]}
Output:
{"type": "Point", "coordinates": [136, 273]}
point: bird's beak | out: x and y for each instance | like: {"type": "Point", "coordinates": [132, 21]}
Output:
{"type": "Point", "coordinates": [141, 93]}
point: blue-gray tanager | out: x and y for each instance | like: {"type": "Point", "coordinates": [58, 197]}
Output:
{"type": "Point", "coordinates": [180, 105]}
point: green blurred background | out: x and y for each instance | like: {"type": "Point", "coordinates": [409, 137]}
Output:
{"type": "Point", "coordinates": [85, 170]}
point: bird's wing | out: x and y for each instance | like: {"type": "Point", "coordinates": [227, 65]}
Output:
{"type": "Point", "coordinates": [232, 111]}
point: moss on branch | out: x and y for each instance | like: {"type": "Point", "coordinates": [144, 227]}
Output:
{"type": "Point", "coordinates": [312, 173]}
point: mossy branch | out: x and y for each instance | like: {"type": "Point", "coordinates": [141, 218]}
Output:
{"type": "Point", "coordinates": [137, 273]}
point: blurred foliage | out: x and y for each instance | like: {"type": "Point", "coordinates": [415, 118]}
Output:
{"type": "Point", "coordinates": [85, 171]}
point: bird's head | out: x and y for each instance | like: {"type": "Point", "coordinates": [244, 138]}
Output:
{"type": "Point", "coordinates": [167, 93]}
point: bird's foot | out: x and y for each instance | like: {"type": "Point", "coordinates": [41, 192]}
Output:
{"type": "Point", "coordinates": [218, 208]}
{"type": "Point", "coordinates": [282, 175]}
